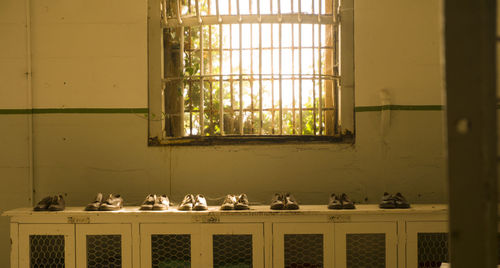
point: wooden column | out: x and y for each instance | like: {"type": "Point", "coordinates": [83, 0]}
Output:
{"type": "Point", "coordinates": [470, 60]}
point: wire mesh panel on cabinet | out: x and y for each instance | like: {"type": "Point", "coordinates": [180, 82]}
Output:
{"type": "Point", "coordinates": [365, 250]}
{"type": "Point", "coordinates": [303, 250]}
{"type": "Point", "coordinates": [173, 250]}
{"type": "Point", "coordinates": [47, 251]}
{"type": "Point", "coordinates": [104, 251]}
{"type": "Point", "coordinates": [232, 251]}
{"type": "Point", "coordinates": [432, 249]}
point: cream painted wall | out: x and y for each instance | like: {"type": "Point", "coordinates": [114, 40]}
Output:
{"type": "Point", "coordinates": [397, 49]}
{"type": "Point", "coordinates": [14, 86]}
{"type": "Point", "coordinates": [14, 147]}
{"type": "Point", "coordinates": [89, 53]}
{"type": "Point", "coordinates": [92, 54]}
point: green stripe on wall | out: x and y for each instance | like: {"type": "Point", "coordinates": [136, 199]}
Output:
{"type": "Point", "coordinates": [76, 111]}
{"type": "Point", "coordinates": [145, 110]}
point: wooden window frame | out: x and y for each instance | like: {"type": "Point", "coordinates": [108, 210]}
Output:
{"type": "Point", "coordinates": [156, 124]}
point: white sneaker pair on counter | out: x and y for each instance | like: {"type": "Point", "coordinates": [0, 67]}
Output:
{"type": "Point", "coordinates": [156, 202]}
{"type": "Point", "coordinates": [192, 202]}
{"type": "Point", "coordinates": [237, 202]}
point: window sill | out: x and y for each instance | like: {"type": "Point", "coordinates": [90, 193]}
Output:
{"type": "Point", "coordinates": [251, 140]}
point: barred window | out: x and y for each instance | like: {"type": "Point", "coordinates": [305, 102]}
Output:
{"type": "Point", "coordinates": [250, 68]}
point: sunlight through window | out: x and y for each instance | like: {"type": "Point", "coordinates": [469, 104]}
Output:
{"type": "Point", "coordinates": [251, 67]}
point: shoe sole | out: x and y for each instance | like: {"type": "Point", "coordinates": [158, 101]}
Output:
{"type": "Point", "coordinates": [277, 207]}
{"type": "Point", "coordinates": [241, 207]}
{"type": "Point", "coordinates": [200, 208]}
{"type": "Point", "coordinates": [109, 209]}
{"type": "Point", "coordinates": [292, 207]}
{"type": "Point", "coordinates": [226, 208]}
{"type": "Point", "coordinates": [160, 208]}
{"type": "Point", "coordinates": [335, 207]}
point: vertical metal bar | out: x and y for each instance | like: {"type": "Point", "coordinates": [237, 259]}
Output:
{"type": "Point", "coordinates": [164, 12]}
{"type": "Point", "coordinates": [334, 11]}
{"type": "Point", "coordinates": [272, 72]}
{"type": "Point", "coordinates": [299, 15]}
{"type": "Point", "coordinates": [280, 18]}
{"type": "Point", "coordinates": [190, 82]}
{"type": "Point", "coordinates": [280, 69]}
{"type": "Point", "coordinates": [336, 84]}
{"type": "Point", "coordinates": [319, 11]}
{"type": "Point", "coordinates": [293, 74]}
{"type": "Point", "coordinates": [221, 88]}
{"type": "Point", "coordinates": [319, 82]}
{"type": "Point", "coordinates": [198, 13]}
{"type": "Point", "coordinates": [329, 67]}
{"type": "Point", "coordinates": [261, 120]}
{"type": "Point", "coordinates": [470, 56]}
{"type": "Point", "coordinates": [314, 75]}
{"type": "Point", "coordinates": [179, 10]}
{"type": "Point", "coordinates": [251, 70]}
{"type": "Point", "coordinates": [202, 93]}
{"type": "Point", "coordinates": [210, 71]}
{"type": "Point", "coordinates": [300, 78]}
{"type": "Point", "coordinates": [219, 18]}
{"type": "Point", "coordinates": [231, 71]}
{"type": "Point", "coordinates": [240, 68]}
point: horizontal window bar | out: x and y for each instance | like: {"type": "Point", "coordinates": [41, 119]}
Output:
{"type": "Point", "coordinates": [253, 77]}
{"type": "Point", "coordinates": [256, 110]}
{"type": "Point", "coordinates": [187, 21]}
{"type": "Point", "coordinates": [216, 49]}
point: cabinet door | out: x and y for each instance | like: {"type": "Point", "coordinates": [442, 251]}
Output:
{"type": "Point", "coordinates": [426, 244]}
{"type": "Point", "coordinates": [104, 245]}
{"type": "Point", "coordinates": [233, 245]}
{"type": "Point", "coordinates": [303, 245]}
{"type": "Point", "coordinates": [361, 245]}
{"type": "Point", "coordinates": [47, 245]}
{"type": "Point", "coordinates": [170, 245]}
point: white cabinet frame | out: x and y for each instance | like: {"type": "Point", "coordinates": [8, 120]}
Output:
{"type": "Point", "coordinates": [136, 225]}
{"type": "Point", "coordinates": [387, 228]}
{"type": "Point", "coordinates": [25, 230]}
{"type": "Point", "coordinates": [280, 229]}
{"type": "Point", "coordinates": [147, 230]}
{"type": "Point", "coordinates": [125, 230]}
{"type": "Point", "coordinates": [412, 231]}
{"type": "Point", "coordinates": [254, 229]}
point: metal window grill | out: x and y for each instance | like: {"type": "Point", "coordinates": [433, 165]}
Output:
{"type": "Point", "coordinates": [253, 67]}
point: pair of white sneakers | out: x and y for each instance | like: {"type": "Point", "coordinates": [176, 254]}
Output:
{"type": "Point", "coordinates": [192, 202]}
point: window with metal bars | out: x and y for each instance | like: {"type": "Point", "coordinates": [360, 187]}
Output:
{"type": "Point", "coordinates": [250, 69]}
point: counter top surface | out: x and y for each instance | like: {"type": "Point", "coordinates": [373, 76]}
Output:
{"type": "Point", "coordinates": [254, 210]}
